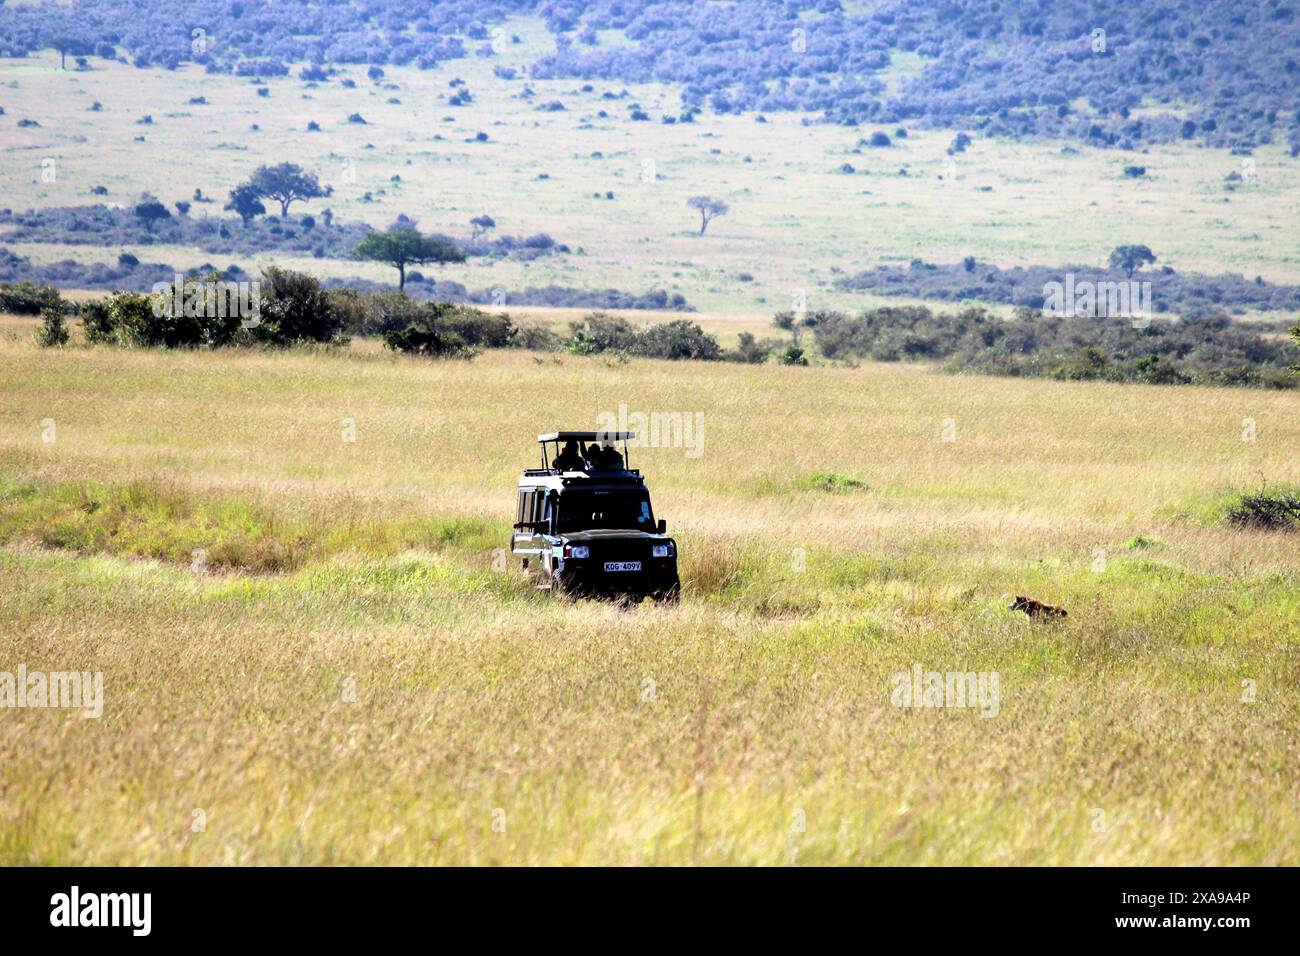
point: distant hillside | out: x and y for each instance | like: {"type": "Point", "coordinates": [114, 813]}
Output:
{"type": "Point", "coordinates": [1223, 72]}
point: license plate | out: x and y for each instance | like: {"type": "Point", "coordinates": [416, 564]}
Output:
{"type": "Point", "coordinates": [622, 565]}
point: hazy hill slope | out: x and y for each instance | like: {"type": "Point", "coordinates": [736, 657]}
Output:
{"type": "Point", "coordinates": [1111, 73]}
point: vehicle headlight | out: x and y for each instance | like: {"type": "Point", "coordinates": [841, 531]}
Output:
{"type": "Point", "coordinates": [661, 550]}
{"type": "Point", "coordinates": [579, 551]}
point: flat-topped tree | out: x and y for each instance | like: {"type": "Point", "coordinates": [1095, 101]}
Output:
{"type": "Point", "coordinates": [150, 211]}
{"type": "Point", "coordinates": [1131, 258]}
{"type": "Point", "coordinates": [404, 247]}
{"type": "Point", "coordinates": [66, 43]}
{"type": "Point", "coordinates": [286, 183]}
{"type": "Point", "coordinates": [709, 209]}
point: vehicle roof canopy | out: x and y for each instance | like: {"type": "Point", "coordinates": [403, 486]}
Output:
{"type": "Point", "coordinates": [586, 436]}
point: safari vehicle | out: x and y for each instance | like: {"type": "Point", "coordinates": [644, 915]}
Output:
{"type": "Point", "coordinates": [584, 526]}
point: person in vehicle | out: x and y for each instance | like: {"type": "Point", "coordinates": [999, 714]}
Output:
{"type": "Point", "coordinates": [604, 457]}
{"type": "Point", "coordinates": [570, 459]}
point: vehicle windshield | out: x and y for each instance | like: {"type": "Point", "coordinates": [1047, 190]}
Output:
{"type": "Point", "coordinates": [584, 510]}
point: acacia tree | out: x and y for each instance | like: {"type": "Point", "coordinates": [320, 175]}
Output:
{"type": "Point", "coordinates": [796, 323]}
{"type": "Point", "coordinates": [482, 224]}
{"type": "Point", "coordinates": [286, 183]}
{"type": "Point", "coordinates": [66, 44]}
{"type": "Point", "coordinates": [1130, 258]}
{"type": "Point", "coordinates": [400, 248]}
{"type": "Point", "coordinates": [150, 211]}
{"type": "Point", "coordinates": [709, 209]}
{"type": "Point", "coordinates": [245, 201]}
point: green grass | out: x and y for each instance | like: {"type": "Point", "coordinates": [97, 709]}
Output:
{"type": "Point", "coordinates": [231, 531]}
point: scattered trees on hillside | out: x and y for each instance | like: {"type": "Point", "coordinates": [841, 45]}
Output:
{"type": "Point", "coordinates": [1208, 60]}
{"type": "Point", "coordinates": [708, 208]}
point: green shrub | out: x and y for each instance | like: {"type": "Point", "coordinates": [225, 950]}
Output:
{"type": "Point", "coordinates": [1273, 511]}
{"type": "Point", "coordinates": [295, 308]}
{"type": "Point", "coordinates": [24, 298]}
{"type": "Point", "coordinates": [351, 307]}
{"type": "Point", "coordinates": [1211, 350]}
{"type": "Point", "coordinates": [52, 332]}
{"type": "Point", "coordinates": [678, 339]}
{"type": "Point", "coordinates": [427, 339]}
{"type": "Point", "coordinates": [97, 322]}
{"type": "Point", "coordinates": [474, 326]}
{"type": "Point", "coordinates": [207, 317]}
{"type": "Point", "coordinates": [376, 313]}
{"type": "Point", "coordinates": [793, 355]}
{"type": "Point", "coordinates": [537, 338]}
{"type": "Point", "coordinates": [602, 332]}
{"type": "Point", "coordinates": [132, 320]}
{"type": "Point", "coordinates": [751, 350]}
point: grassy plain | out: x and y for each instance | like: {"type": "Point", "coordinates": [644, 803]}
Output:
{"type": "Point", "coordinates": [313, 653]}
{"type": "Point", "coordinates": [796, 223]}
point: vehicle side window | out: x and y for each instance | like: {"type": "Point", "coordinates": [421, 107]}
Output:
{"type": "Point", "coordinates": [527, 510]}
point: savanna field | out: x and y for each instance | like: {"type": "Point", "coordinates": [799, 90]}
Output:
{"type": "Point", "coordinates": [291, 565]}
{"type": "Point", "coordinates": [314, 651]}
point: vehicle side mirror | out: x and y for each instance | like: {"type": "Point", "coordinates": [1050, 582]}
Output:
{"type": "Point", "coordinates": [663, 526]}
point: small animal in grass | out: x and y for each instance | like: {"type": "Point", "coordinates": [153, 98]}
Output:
{"type": "Point", "coordinates": [1036, 608]}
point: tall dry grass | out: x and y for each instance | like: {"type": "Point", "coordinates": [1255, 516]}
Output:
{"type": "Point", "coordinates": [395, 694]}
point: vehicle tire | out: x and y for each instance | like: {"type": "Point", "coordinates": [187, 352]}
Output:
{"type": "Point", "coordinates": [670, 595]}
